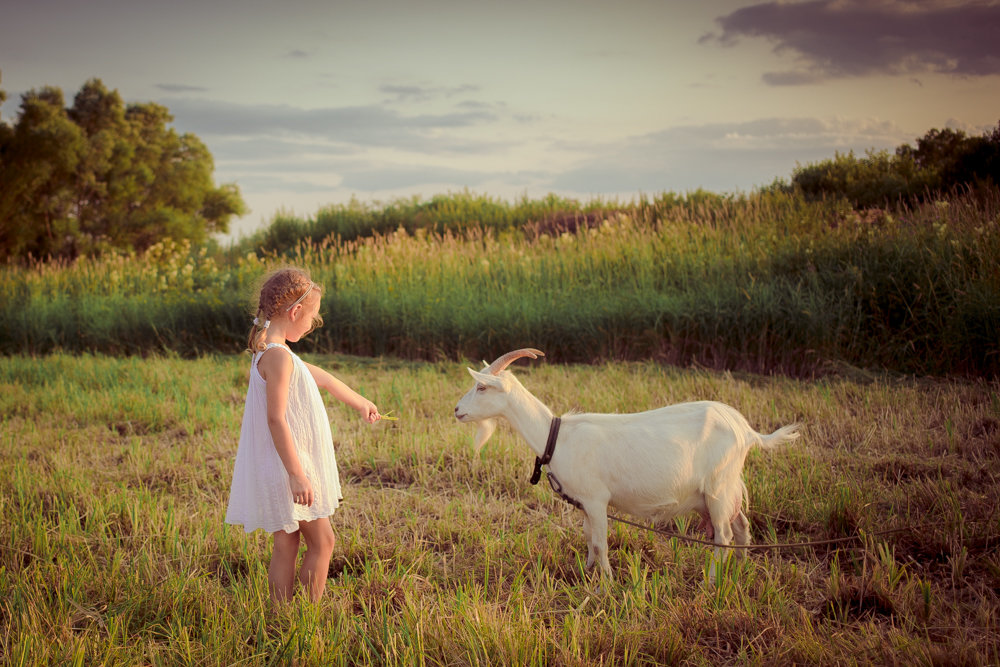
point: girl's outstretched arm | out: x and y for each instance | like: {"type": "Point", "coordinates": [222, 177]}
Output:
{"type": "Point", "coordinates": [345, 394]}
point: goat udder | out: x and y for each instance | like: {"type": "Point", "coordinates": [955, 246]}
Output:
{"type": "Point", "coordinates": [706, 525]}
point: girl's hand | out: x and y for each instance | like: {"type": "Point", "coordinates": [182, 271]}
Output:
{"type": "Point", "coordinates": [369, 412]}
{"type": "Point", "coordinates": [302, 490]}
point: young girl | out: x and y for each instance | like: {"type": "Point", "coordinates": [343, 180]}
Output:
{"type": "Point", "coordinates": [285, 478]}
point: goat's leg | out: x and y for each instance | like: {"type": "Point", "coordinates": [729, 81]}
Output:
{"type": "Point", "coordinates": [597, 515]}
{"type": "Point", "coordinates": [588, 535]}
{"type": "Point", "coordinates": [741, 529]}
{"type": "Point", "coordinates": [720, 513]}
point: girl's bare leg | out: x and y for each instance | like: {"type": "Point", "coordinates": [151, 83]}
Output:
{"type": "Point", "coordinates": [281, 572]}
{"type": "Point", "coordinates": [320, 540]}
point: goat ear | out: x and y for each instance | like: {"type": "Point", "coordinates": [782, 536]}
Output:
{"type": "Point", "coordinates": [483, 433]}
{"type": "Point", "coordinates": [486, 378]}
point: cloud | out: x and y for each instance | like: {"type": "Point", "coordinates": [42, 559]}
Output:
{"type": "Point", "coordinates": [274, 150]}
{"type": "Point", "coordinates": [416, 93]}
{"type": "Point", "coordinates": [315, 155]}
{"type": "Point", "coordinates": [398, 177]}
{"type": "Point", "coordinates": [358, 173]}
{"type": "Point", "coordinates": [180, 88]}
{"type": "Point", "coordinates": [721, 157]}
{"type": "Point", "coordinates": [848, 38]}
{"type": "Point", "coordinates": [298, 183]}
{"type": "Point", "coordinates": [367, 126]}
{"type": "Point", "coordinates": [297, 54]}
{"type": "Point", "coordinates": [792, 78]}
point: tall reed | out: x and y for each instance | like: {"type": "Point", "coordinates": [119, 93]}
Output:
{"type": "Point", "coordinates": [764, 282]}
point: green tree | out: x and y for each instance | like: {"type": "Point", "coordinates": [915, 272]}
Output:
{"type": "Point", "coordinates": [37, 175]}
{"type": "Point", "coordinates": [101, 174]}
{"type": "Point", "coordinates": [938, 150]}
{"type": "Point", "coordinates": [104, 167]}
{"type": "Point", "coordinates": [941, 161]}
{"type": "Point", "coordinates": [979, 162]}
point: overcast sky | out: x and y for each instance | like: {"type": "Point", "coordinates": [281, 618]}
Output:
{"type": "Point", "coordinates": [307, 103]}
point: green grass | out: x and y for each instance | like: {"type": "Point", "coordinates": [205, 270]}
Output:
{"type": "Point", "coordinates": [764, 282]}
{"type": "Point", "coordinates": [115, 476]}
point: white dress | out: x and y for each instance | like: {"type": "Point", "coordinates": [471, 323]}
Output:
{"type": "Point", "coordinates": [260, 496]}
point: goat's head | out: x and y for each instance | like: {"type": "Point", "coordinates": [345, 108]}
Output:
{"type": "Point", "coordinates": [488, 399]}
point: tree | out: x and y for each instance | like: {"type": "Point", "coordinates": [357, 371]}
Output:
{"type": "Point", "coordinates": [941, 161]}
{"type": "Point", "coordinates": [37, 176]}
{"type": "Point", "coordinates": [938, 149]}
{"type": "Point", "coordinates": [103, 175]}
{"type": "Point", "coordinates": [980, 162]}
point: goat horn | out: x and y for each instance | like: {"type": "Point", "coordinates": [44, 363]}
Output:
{"type": "Point", "coordinates": [507, 359]}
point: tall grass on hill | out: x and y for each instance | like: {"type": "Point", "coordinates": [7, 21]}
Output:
{"type": "Point", "coordinates": [454, 213]}
{"type": "Point", "coordinates": [113, 550]}
{"type": "Point", "coordinates": [768, 282]}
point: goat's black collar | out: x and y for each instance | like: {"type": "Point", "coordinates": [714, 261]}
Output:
{"type": "Point", "coordinates": [550, 447]}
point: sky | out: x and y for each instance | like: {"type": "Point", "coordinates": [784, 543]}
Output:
{"type": "Point", "coordinates": [309, 103]}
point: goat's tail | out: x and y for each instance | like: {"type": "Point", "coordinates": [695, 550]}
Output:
{"type": "Point", "coordinates": [780, 437]}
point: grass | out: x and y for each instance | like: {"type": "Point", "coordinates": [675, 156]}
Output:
{"type": "Point", "coordinates": [115, 480]}
{"type": "Point", "coordinates": [764, 282]}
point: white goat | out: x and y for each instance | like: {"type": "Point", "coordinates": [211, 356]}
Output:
{"type": "Point", "coordinates": [658, 464]}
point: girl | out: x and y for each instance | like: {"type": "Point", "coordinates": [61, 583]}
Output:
{"type": "Point", "coordinates": [285, 478]}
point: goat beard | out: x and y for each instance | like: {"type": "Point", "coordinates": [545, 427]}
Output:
{"type": "Point", "coordinates": [483, 433]}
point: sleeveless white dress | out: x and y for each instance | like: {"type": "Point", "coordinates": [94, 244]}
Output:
{"type": "Point", "coordinates": [260, 496]}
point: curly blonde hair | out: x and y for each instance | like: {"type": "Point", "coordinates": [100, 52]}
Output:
{"type": "Point", "coordinates": [278, 291]}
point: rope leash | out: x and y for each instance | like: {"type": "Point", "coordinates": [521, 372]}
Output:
{"type": "Point", "coordinates": [760, 547]}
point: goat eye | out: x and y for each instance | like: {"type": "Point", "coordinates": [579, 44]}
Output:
{"type": "Point", "coordinates": [480, 387]}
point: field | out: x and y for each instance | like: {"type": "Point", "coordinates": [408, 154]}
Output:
{"type": "Point", "coordinates": [115, 475]}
